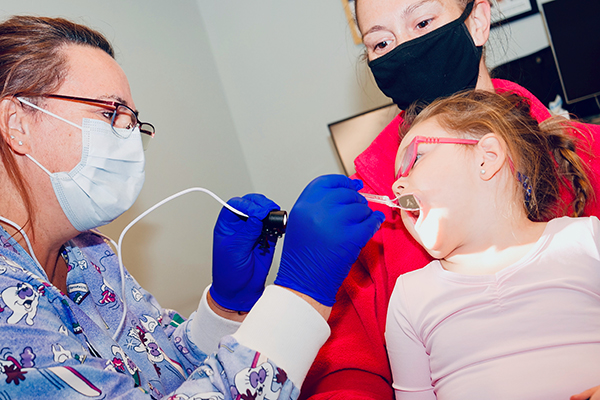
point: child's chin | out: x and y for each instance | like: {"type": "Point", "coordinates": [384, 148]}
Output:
{"type": "Point", "coordinates": [434, 253]}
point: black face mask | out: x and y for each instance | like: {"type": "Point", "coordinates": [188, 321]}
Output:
{"type": "Point", "coordinates": [438, 64]}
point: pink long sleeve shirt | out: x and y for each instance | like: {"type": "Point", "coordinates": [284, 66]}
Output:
{"type": "Point", "coordinates": [530, 331]}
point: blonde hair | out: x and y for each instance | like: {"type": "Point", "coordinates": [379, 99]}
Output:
{"type": "Point", "coordinates": [543, 155]}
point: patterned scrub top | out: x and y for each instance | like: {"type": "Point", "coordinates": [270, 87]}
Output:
{"type": "Point", "coordinates": [60, 346]}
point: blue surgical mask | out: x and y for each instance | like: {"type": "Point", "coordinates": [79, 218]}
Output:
{"type": "Point", "coordinates": [108, 178]}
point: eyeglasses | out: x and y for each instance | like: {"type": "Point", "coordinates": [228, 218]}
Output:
{"type": "Point", "coordinates": [121, 116]}
{"type": "Point", "coordinates": [410, 156]}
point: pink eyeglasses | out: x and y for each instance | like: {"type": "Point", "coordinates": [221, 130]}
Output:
{"type": "Point", "coordinates": [410, 156]}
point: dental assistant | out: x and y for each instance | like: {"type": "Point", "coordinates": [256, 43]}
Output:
{"type": "Point", "coordinates": [73, 324]}
{"type": "Point", "coordinates": [418, 51]}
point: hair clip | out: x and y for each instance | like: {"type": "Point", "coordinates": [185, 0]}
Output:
{"type": "Point", "coordinates": [524, 180]}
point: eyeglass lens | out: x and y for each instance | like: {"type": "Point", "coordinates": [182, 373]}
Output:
{"type": "Point", "coordinates": [124, 118]}
{"type": "Point", "coordinates": [408, 158]}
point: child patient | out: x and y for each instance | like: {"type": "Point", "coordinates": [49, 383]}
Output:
{"type": "Point", "coordinates": [510, 308]}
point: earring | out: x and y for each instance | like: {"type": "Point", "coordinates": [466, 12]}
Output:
{"type": "Point", "coordinates": [12, 136]}
{"type": "Point", "coordinates": [20, 143]}
{"type": "Point", "coordinates": [482, 171]}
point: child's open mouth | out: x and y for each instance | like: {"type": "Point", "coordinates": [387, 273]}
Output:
{"type": "Point", "coordinates": [410, 204]}
{"type": "Point", "coordinates": [413, 215]}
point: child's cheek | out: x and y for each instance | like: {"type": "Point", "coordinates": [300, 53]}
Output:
{"type": "Point", "coordinates": [430, 229]}
{"type": "Point", "coordinates": [409, 224]}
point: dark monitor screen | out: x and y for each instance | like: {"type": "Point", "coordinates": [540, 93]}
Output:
{"type": "Point", "coordinates": [573, 28]}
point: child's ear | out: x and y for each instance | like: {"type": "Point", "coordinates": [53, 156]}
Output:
{"type": "Point", "coordinates": [493, 156]}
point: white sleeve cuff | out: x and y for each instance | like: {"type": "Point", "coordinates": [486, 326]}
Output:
{"type": "Point", "coordinates": [206, 328]}
{"type": "Point", "coordinates": [286, 329]}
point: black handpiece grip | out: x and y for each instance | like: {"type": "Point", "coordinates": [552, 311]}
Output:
{"type": "Point", "coordinates": [275, 223]}
{"type": "Point", "coordinates": [273, 228]}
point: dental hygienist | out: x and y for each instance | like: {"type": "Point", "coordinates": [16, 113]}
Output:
{"type": "Point", "coordinates": [73, 323]}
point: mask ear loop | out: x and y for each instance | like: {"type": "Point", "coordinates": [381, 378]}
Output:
{"type": "Point", "coordinates": [148, 211]}
{"type": "Point", "coordinates": [22, 100]}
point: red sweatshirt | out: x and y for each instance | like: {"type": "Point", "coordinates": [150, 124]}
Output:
{"type": "Point", "coordinates": [353, 363]}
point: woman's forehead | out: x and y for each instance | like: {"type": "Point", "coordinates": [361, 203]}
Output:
{"type": "Point", "coordinates": [394, 8]}
{"type": "Point", "coordinates": [93, 73]}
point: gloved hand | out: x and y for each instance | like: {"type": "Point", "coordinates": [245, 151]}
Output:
{"type": "Point", "coordinates": [240, 266]}
{"type": "Point", "coordinates": [327, 227]}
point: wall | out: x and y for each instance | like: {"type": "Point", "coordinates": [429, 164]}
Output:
{"type": "Point", "coordinates": [517, 39]}
{"type": "Point", "coordinates": [288, 69]}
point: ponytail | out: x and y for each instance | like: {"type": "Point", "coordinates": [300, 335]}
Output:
{"type": "Point", "coordinates": [572, 170]}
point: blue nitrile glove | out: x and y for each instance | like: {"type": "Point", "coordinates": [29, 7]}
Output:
{"type": "Point", "coordinates": [327, 227]}
{"type": "Point", "coordinates": [240, 265]}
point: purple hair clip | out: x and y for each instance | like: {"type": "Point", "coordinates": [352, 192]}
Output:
{"type": "Point", "coordinates": [524, 180]}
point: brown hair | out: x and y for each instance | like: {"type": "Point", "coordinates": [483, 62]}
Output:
{"type": "Point", "coordinates": [544, 155]}
{"type": "Point", "coordinates": [31, 64]}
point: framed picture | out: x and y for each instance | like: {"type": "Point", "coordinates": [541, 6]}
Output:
{"type": "Point", "coordinates": [350, 10]}
{"type": "Point", "coordinates": [353, 135]}
{"type": "Point", "coordinates": [504, 11]}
